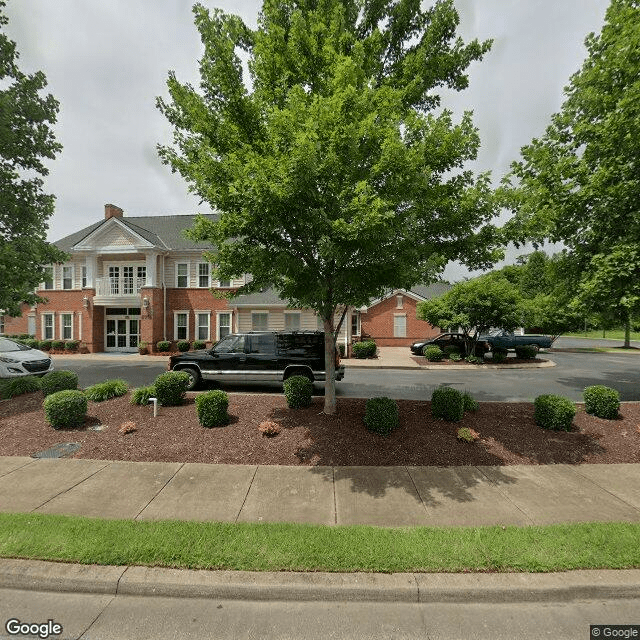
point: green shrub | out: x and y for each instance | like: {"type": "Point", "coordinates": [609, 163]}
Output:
{"type": "Point", "coordinates": [365, 349]}
{"type": "Point", "coordinates": [17, 386]}
{"type": "Point", "coordinates": [212, 408]}
{"type": "Point", "coordinates": [455, 357]}
{"type": "Point", "coordinates": [55, 381]}
{"type": "Point", "coordinates": [554, 412]}
{"type": "Point", "coordinates": [141, 395]}
{"type": "Point", "coordinates": [163, 345]}
{"type": "Point", "coordinates": [470, 403]}
{"type": "Point", "coordinates": [450, 349]}
{"type": "Point", "coordinates": [471, 359]}
{"type": "Point", "coordinates": [381, 415]}
{"type": "Point", "coordinates": [65, 409]}
{"type": "Point", "coordinates": [142, 348]}
{"type": "Point", "coordinates": [433, 353]}
{"type": "Point", "coordinates": [30, 342]}
{"type": "Point", "coordinates": [298, 391]}
{"type": "Point", "coordinates": [341, 349]}
{"type": "Point", "coordinates": [106, 390]}
{"type": "Point", "coordinates": [602, 401]}
{"type": "Point", "coordinates": [171, 388]}
{"type": "Point", "coordinates": [447, 403]}
{"type": "Point", "coordinates": [183, 345]}
{"type": "Point", "coordinates": [198, 344]}
{"type": "Point", "coordinates": [72, 345]}
{"type": "Point", "coordinates": [499, 356]}
{"type": "Point", "coordinates": [57, 344]}
{"type": "Point", "coordinates": [526, 352]}
{"type": "Point", "coordinates": [44, 345]}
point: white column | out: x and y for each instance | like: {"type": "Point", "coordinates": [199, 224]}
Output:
{"type": "Point", "coordinates": [91, 263]}
{"type": "Point", "coordinates": [152, 276]}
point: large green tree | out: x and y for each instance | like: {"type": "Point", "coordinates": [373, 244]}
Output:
{"type": "Point", "coordinates": [335, 172]}
{"type": "Point", "coordinates": [580, 182]}
{"type": "Point", "coordinates": [26, 140]}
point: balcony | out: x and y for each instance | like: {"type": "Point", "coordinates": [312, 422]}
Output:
{"type": "Point", "coordinates": [123, 290]}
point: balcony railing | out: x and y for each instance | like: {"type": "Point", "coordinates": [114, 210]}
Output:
{"type": "Point", "coordinates": [118, 287]}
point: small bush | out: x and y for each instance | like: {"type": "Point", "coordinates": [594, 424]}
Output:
{"type": "Point", "coordinates": [450, 349]}
{"type": "Point", "coordinates": [470, 403]}
{"type": "Point", "coordinates": [526, 352]}
{"type": "Point", "coordinates": [366, 349]}
{"type": "Point", "coordinates": [58, 345]}
{"type": "Point", "coordinates": [447, 403]}
{"type": "Point", "coordinates": [455, 357]}
{"type": "Point", "coordinates": [471, 359]}
{"type": "Point", "coordinates": [30, 342]}
{"type": "Point", "coordinates": [269, 428]}
{"type": "Point", "coordinates": [163, 345]}
{"type": "Point", "coordinates": [198, 344]}
{"type": "Point", "coordinates": [141, 395]}
{"type": "Point", "coordinates": [65, 409]}
{"type": "Point", "coordinates": [433, 353]}
{"type": "Point", "coordinates": [602, 401]}
{"type": "Point", "coordinates": [71, 345]}
{"type": "Point", "coordinates": [464, 434]}
{"type": "Point", "coordinates": [183, 345]}
{"type": "Point", "coordinates": [55, 381]}
{"type": "Point", "coordinates": [212, 408]}
{"type": "Point", "coordinates": [17, 386]}
{"type": "Point", "coordinates": [341, 349]}
{"type": "Point", "coordinates": [381, 415]}
{"type": "Point", "coordinates": [106, 390]}
{"type": "Point", "coordinates": [171, 388]}
{"type": "Point", "coordinates": [298, 391]}
{"type": "Point", "coordinates": [554, 412]}
{"type": "Point", "coordinates": [499, 356]}
{"type": "Point", "coordinates": [44, 345]}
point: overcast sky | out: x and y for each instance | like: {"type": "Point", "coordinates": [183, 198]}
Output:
{"type": "Point", "coordinates": [107, 61]}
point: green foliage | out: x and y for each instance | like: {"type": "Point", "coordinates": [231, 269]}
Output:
{"type": "Point", "coordinates": [602, 401]}
{"type": "Point", "coordinates": [298, 391]}
{"type": "Point", "coordinates": [26, 142]}
{"type": "Point", "coordinates": [163, 345]}
{"type": "Point", "coordinates": [30, 342]}
{"type": "Point", "coordinates": [554, 412]}
{"type": "Point", "coordinates": [455, 357]}
{"type": "Point", "coordinates": [364, 349]}
{"type": "Point", "coordinates": [465, 434]}
{"type": "Point", "coordinates": [433, 353]}
{"type": "Point", "coordinates": [449, 349]}
{"type": "Point", "coordinates": [141, 395]}
{"type": "Point", "coordinates": [470, 403]}
{"type": "Point", "coordinates": [55, 381]}
{"type": "Point", "coordinates": [381, 415]}
{"type": "Point", "coordinates": [212, 408]}
{"type": "Point", "coordinates": [183, 345]}
{"type": "Point", "coordinates": [171, 388]}
{"type": "Point", "coordinates": [526, 352]}
{"type": "Point", "coordinates": [44, 345]}
{"type": "Point", "coordinates": [17, 386]}
{"type": "Point", "coordinates": [65, 409]}
{"type": "Point", "coordinates": [471, 359]}
{"type": "Point", "coordinates": [499, 356]}
{"type": "Point", "coordinates": [198, 344]}
{"type": "Point", "coordinates": [447, 403]}
{"type": "Point", "coordinates": [106, 390]}
{"type": "Point", "coordinates": [71, 345]}
{"type": "Point", "coordinates": [58, 345]}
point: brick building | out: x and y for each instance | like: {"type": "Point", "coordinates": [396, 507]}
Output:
{"type": "Point", "coordinates": [138, 279]}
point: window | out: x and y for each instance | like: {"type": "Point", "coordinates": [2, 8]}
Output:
{"type": "Point", "coordinates": [263, 343]}
{"type": "Point", "coordinates": [181, 325]}
{"type": "Point", "coordinates": [203, 275]}
{"type": "Point", "coordinates": [182, 275]}
{"type": "Point", "coordinates": [292, 321]}
{"type": "Point", "coordinates": [84, 277]}
{"type": "Point", "coordinates": [355, 324]}
{"type": "Point", "coordinates": [398, 302]}
{"type": "Point", "coordinates": [230, 344]}
{"type": "Point", "coordinates": [259, 321]}
{"type": "Point", "coordinates": [47, 326]}
{"type": "Point", "coordinates": [67, 277]}
{"type": "Point", "coordinates": [141, 275]}
{"type": "Point", "coordinates": [48, 277]}
{"type": "Point", "coordinates": [224, 325]}
{"type": "Point", "coordinates": [224, 284]}
{"type": "Point", "coordinates": [399, 326]}
{"type": "Point", "coordinates": [202, 325]}
{"type": "Point", "coordinates": [1, 325]}
{"type": "Point", "coordinates": [66, 326]}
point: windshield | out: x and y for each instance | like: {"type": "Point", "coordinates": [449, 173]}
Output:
{"type": "Point", "coordinates": [7, 345]}
{"type": "Point", "coordinates": [230, 344]}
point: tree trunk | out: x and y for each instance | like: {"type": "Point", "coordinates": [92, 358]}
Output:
{"type": "Point", "coordinates": [329, 368]}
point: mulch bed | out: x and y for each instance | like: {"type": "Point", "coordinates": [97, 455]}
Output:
{"type": "Point", "coordinates": [423, 362]}
{"type": "Point", "coordinates": [508, 434]}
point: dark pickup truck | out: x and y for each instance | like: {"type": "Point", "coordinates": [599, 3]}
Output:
{"type": "Point", "coordinates": [504, 340]}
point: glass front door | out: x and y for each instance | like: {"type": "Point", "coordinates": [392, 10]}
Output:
{"type": "Point", "coordinates": [122, 333]}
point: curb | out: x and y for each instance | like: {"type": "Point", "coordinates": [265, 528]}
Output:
{"type": "Point", "coordinates": [496, 588]}
{"type": "Point", "coordinates": [457, 367]}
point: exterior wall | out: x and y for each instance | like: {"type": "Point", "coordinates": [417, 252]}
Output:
{"type": "Point", "coordinates": [377, 323]}
{"type": "Point", "coordinates": [16, 325]}
{"type": "Point", "coordinates": [193, 260]}
{"type": "Point", "coordinates": [59, 302]}
{"type": "Point", "coordinates": [308, 319]}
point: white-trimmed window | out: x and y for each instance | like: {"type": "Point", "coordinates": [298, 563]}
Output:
{"type": "Point", "coordinates": [292, 320]}
{"type": "Point", "coordinates": [203, 325]}
{"type": "Point", "coordinates": [259, 320]}
{"type": "Point", "coordinates": [223, 325]}
{"type": "Point", "coordinates": [355, 324]}
{"type": "Point", "coordinates": [84, 277]}
{"type": "Point", "coordinates": [182, 275]}
{"type": "Point", "coordinates": [1, 325]}
{"type": "Point", "coordinates": [49, 277]}
{"type": "Point", "coordinates": [66, 326]}
{"type": "Point", "coordinates": [47, 326]}
{"type": "Point", "coordinates": [67, 277]}
{"type": "Point", "coordinates": [180, 325]}
{"type": "Point", "coordinates": [224, 284]}
{"type": "Point", "coordinates": [399, 326]}
{"type": "Point", "coordinates": [399, 301]}
{"type": "Point", "coordinates": [204, 276]}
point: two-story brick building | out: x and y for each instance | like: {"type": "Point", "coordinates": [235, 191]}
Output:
{"type": "Point", "coordinates": [139, 279]}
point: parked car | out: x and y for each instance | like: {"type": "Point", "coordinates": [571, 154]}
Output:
{"type": "Point", "coordinates": [499, 339]}
{"type": "Point", "coordinates": [262, 356]}
{"type": "Point", "coordinates": [446, 340]}
{"type": "Point", "coordinates": [18, 359]}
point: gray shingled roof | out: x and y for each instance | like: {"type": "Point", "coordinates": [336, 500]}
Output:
{"type": "Point", "coordinates": [431, 291]}
{"type": "Point", "coordinates": [166, 232]}
{"type": "Point", "coordinates": [267, 297]}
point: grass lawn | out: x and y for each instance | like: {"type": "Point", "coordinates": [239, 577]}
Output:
{"type": "Point", "coordinates": [295, 547]}
{"type": "Point", "coordinates": [598, 334]}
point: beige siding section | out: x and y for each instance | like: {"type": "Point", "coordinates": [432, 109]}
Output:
{"type": "Point", "coordinates": [114, 237]}
{"type": "Point", "coordinates": [308, 320]}
{"type": "Point", "coordinates": [193, 261]}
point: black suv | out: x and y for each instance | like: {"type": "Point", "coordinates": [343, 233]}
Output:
{"type": "Point", "coordinates": [261, 356]}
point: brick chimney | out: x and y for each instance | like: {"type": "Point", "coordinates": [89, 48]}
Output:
{"type": "Point", "coordinates": [111, 211]}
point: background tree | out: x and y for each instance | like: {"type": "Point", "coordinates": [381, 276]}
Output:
{"type": "Point", "coordinates": [26, 139]}
{"type": "Point", "coordinates": [580, 182]}
{"type": "Point", "coordinates": [335, 174]}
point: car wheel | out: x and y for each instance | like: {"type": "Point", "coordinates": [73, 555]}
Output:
{"type": "Point", "coordinates": [194, 377]}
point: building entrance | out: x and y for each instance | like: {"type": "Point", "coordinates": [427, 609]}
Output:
{"type": "Point", "coordinates": [122, 329]}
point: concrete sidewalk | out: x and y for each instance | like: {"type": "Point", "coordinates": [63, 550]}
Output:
{"type": "Point", "coordinates": [379, 496]}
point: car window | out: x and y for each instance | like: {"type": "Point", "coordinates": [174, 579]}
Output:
{"type": "Point", "coordinates": [230, 344]}
{"type": "Point", "coordinates": [262, 343]}
{"type": "Point", "coordinates": [7, 345]}
{"type": "Point", "coordinates": [302, 344]}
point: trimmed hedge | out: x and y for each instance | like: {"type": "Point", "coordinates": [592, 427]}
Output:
{"type": "Point", "coordinates": [57, 344]}
{"type": "Point", "coordinates": [163, 345]}
{"type": "Point", "coordinates": [381, 415]}
{"type": "Point", "coordinates": [601, 401]}
{"type": "Point", "coordinates": [365, 349]}
{"type": "Point", "coordinates": [447, 403]}
{"type": "Point", "coordinates": [66, 409]}
{"type": "Point", "coordinates": [71, 345]}
{"type": "Point", "coordinates": [198, 344]}
{"type": "Point", "coordinates": [171, 388]}
{"type": "Point", "coordinates": [449, 349]}
{"type": "Point", "coordinates": [298, 391]}
{"type": "Point", "coordinates": [554, 412]}
{"type": "Point", "coordinates": [526, 352]}
{"type": "Point", "coordinates": [106, 390]}
{"type": "Point", "coordinates": [212, 408]}
{"type": "Point", "coordinates": [183, 345]}
{"type": "Point", "coordinates": [55, 381]}
{"type": "Point", "coordinates": [499, 356]}
{"type": "Point", "coordinates": [470, 403]}
{"type": "Point", "coordinates": [141, 395]}
{"type": "Point", "coordinates": [44, 345]}
{"type": "Point", "coordinates": [433, 353]}
{"type": "Point", "coordinates": [17, 386]}
{"type": "Point", "coordinates": [30, 342]}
